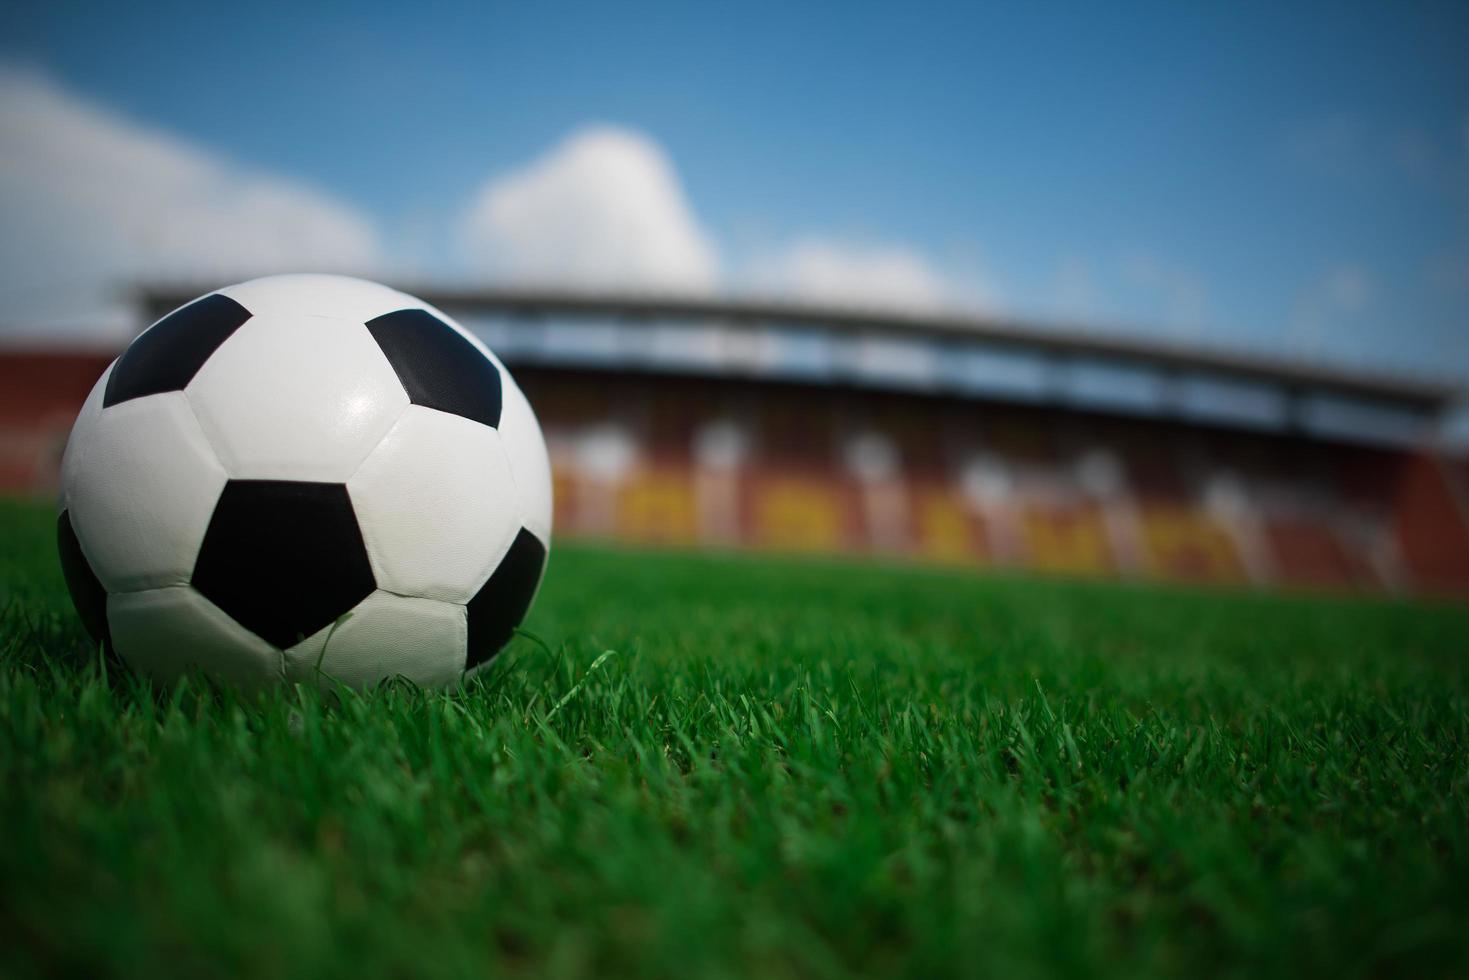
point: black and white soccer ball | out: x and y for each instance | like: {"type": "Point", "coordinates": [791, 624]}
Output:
{"type": "Point", "coordinates": [304, 477]}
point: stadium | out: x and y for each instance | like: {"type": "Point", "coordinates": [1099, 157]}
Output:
{"type": "Point", "coordinates": [790, 427]}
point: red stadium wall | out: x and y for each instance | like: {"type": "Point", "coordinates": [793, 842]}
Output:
{"type": "Point", "coordinates": [1431, 522]}
{"type": "Point", "coordinates": [40, 395]}
{"type": "Point", "coordinates": [812, 469]}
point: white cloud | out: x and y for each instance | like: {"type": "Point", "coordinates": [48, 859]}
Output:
{"type": "Point", "coordinates": [90, 202]}
{"type": "Point", "coordinates": [604, 208]}
{"type": "Point", "coordinates": [862, 274]}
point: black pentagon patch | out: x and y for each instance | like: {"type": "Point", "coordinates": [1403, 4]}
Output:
{"type": "Point", "coordinates": [502, 603]}
{"type": "Point", "coordinates": [167, 355]}
{"type": "Point", "coordinates": [87, 593]}
{"type": "Point", "coordinates": [282, 558]}
{"type": "Point", "coordinates": [438, 367]}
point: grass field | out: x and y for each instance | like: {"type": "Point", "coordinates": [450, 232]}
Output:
{"type": "Point", "coordinates": [738, 766]}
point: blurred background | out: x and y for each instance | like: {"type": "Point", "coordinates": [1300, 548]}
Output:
{"type": "Point", "coordinates": [1170, 291]}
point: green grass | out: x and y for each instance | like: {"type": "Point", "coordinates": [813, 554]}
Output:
{"type": "Point", "coordinates": [780, 769]}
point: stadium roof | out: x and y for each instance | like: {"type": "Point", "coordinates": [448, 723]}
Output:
{"type": "Point", "coordinates": [516, 321]}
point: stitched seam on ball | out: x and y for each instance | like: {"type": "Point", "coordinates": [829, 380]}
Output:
{"type": "Point", "coordinates": [374, 448]}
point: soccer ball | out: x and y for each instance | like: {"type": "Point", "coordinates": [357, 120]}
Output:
{"type": "Point", "coordinates": [303, 478]}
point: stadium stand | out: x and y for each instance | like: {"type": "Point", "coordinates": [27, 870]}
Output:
{"type": "Point", "coordinates": [702, 423]}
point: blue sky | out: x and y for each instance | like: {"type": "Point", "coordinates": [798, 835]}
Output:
{"type": "Point", "coordinates": [1291, 177]}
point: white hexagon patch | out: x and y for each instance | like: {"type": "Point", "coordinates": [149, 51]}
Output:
{"type": "Point", "coordinates": [386, 635]}
{"type": "Point", "coordinates": [164, 633]}
{"type": "Point", "coordinates": [437, 505]}
{"type": "Point", "coordinates": [141, 484]}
